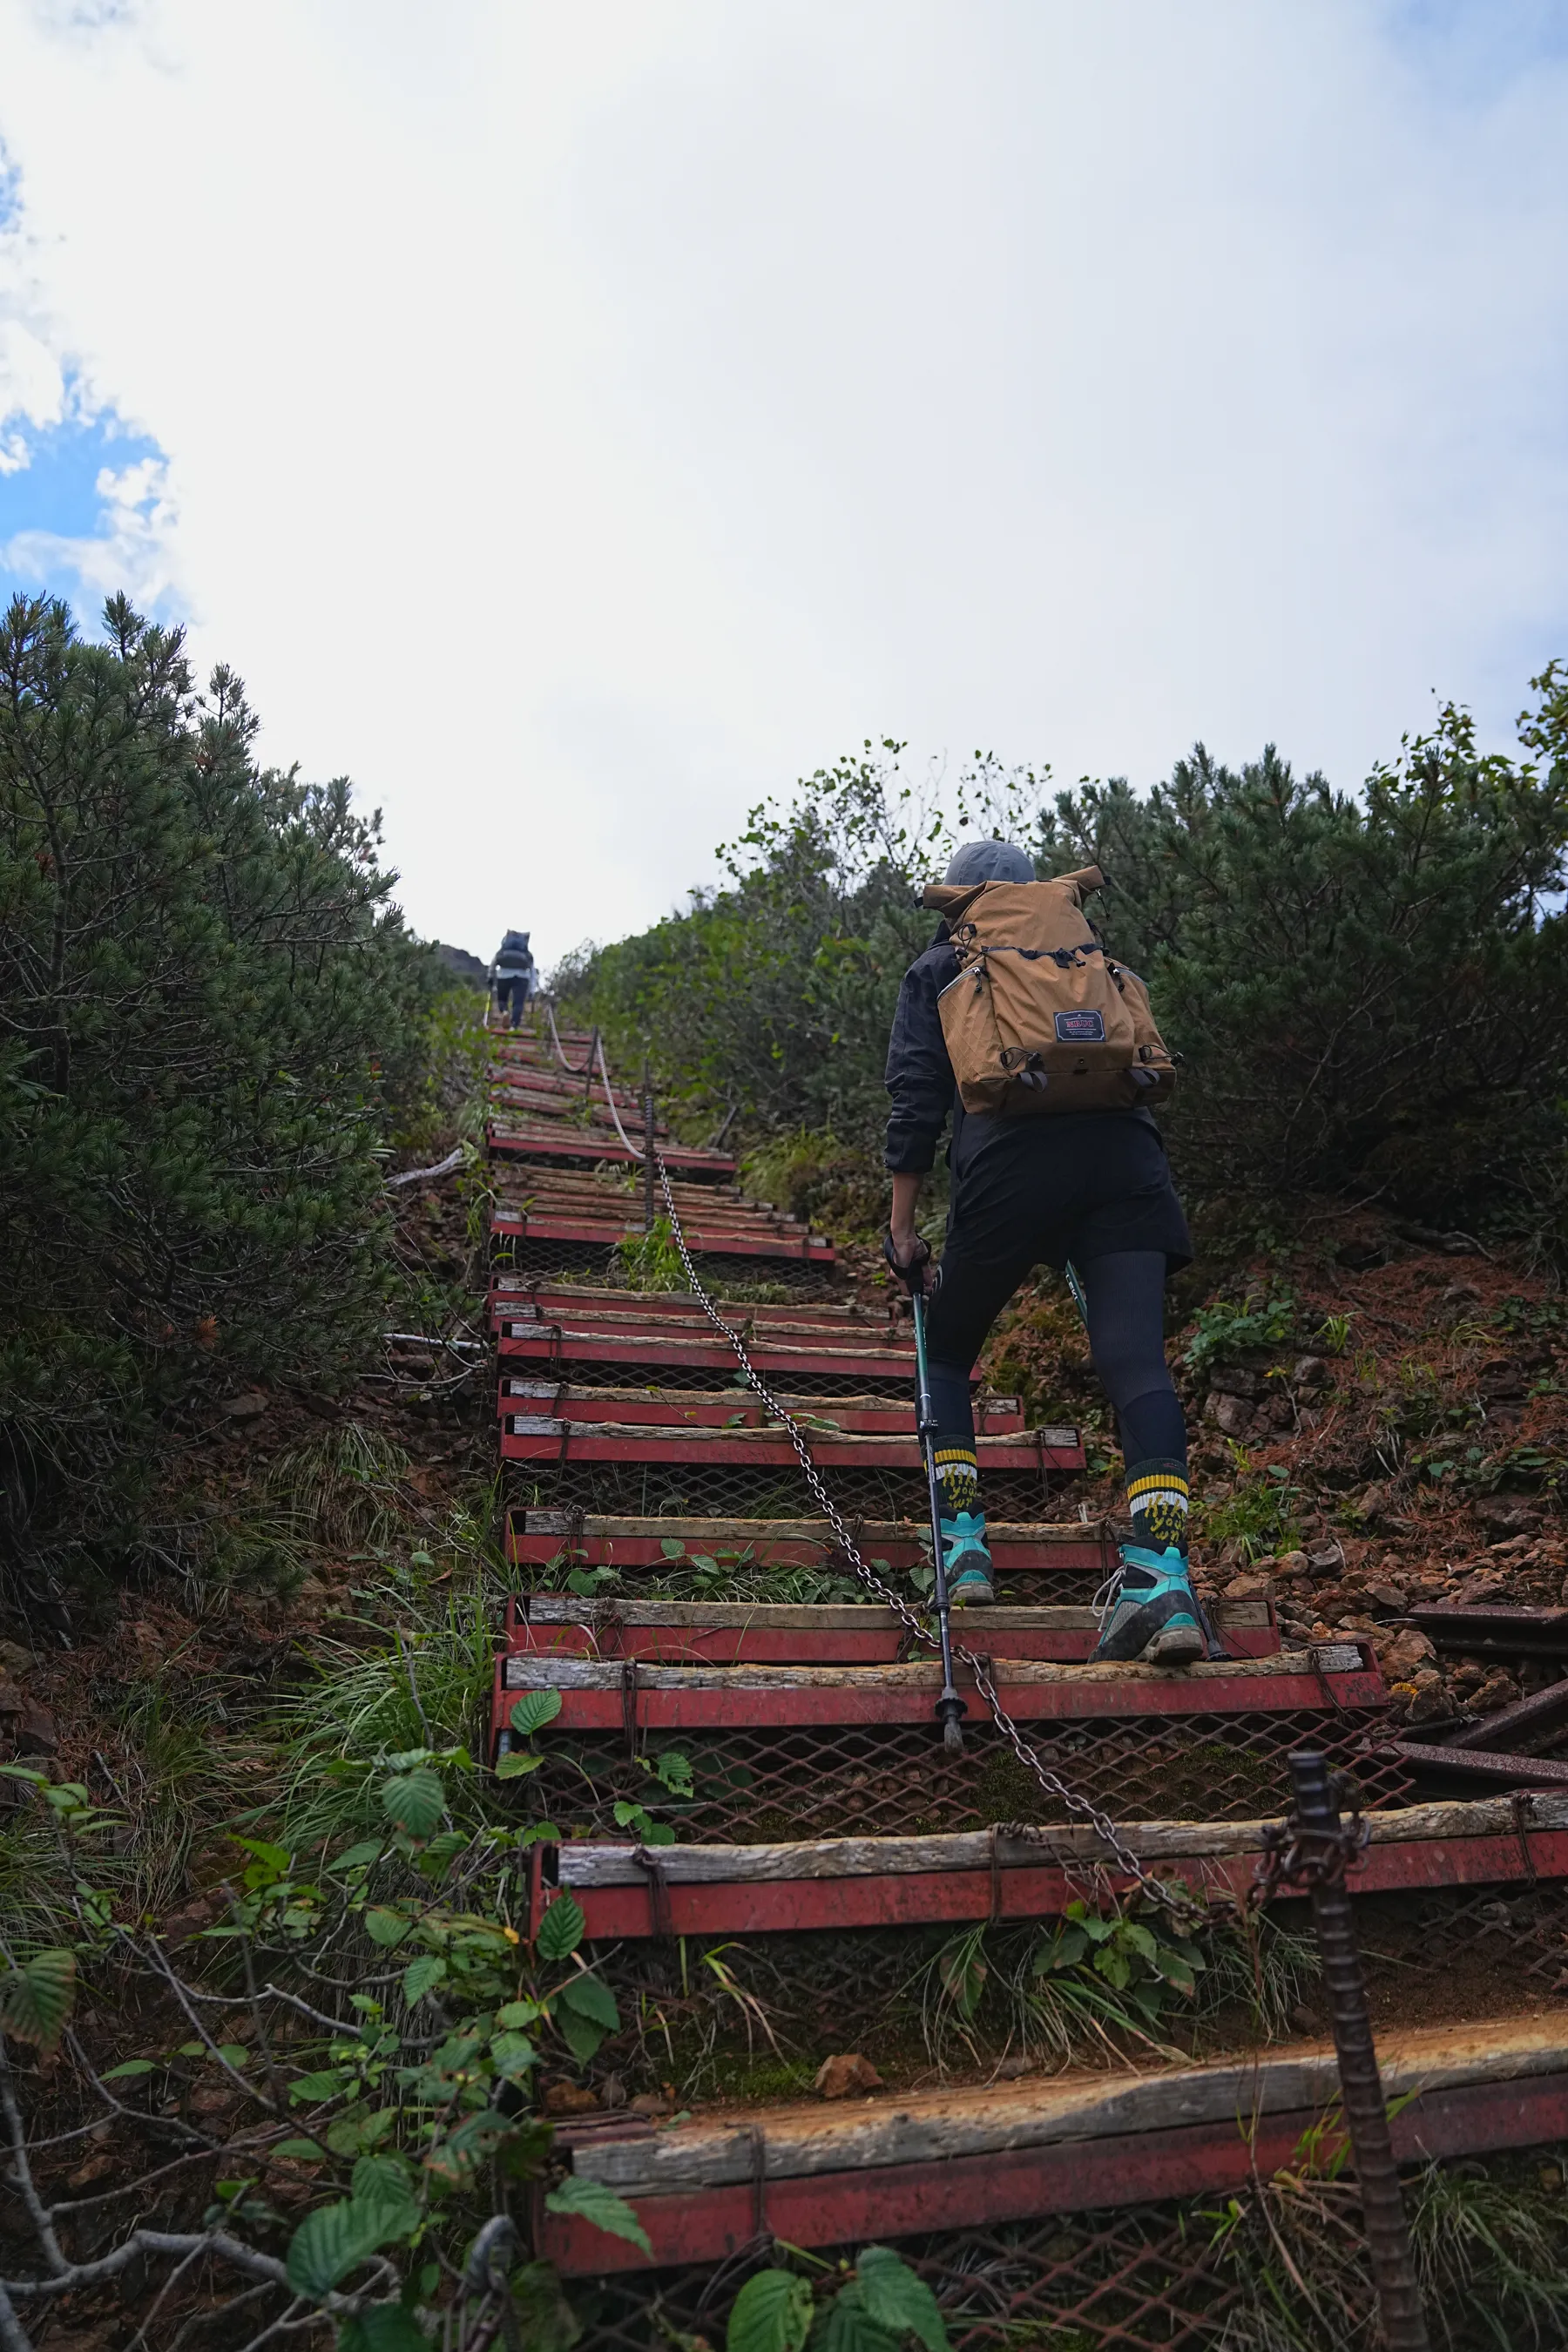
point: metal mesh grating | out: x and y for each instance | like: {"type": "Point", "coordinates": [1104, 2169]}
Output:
{"type": "Point", "coordinates": [583, 1372]}
{"type": "Point", "coordinates": [793, 1276]}
{"type": "Point", "coordinates": [897, 1779]}
{"type": "Point", "coordinates": [1145, 2279]}
{"type": "Point", "coordinates": [744, 1490]}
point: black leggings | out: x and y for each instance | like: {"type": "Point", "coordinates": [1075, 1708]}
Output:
{"type": "Point", "coordinates": [1124, 1293]}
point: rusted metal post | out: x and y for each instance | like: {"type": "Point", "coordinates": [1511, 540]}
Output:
{"type": "Point", "coordinates": [647, 1167]}
{"type": "Point", "coordinates": [1320, 1847]}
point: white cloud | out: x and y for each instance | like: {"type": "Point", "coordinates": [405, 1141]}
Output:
{"type": "Point", "coordinates": [580, 421]}
{"type": "Point", "coordinates": [133, 549]}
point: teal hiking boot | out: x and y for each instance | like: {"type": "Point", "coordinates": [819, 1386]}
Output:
{"type": "Point", "coordinates": [966, 1559]}
{"type": "Point", "coordinates": [1148, 1612]}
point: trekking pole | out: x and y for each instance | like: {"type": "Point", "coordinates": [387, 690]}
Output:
{"type": "Point", "coordinates": [1313, 1849]}
{"type": "Point", "coordinates": [950, 1707]}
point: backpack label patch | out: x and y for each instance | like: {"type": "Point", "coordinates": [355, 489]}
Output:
{"type": "Point", "coordinates": [1080, 1028]}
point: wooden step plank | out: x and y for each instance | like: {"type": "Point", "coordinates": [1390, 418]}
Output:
{"type": "Point", "coordinates": [892, 2202]}
{"type": "Point", "coordinates": [556, 1443]}
{"type": "Point", "coordinates": [522, 1143]}
{"type": "Point", "coordinates": [546, 1296]}
{"type": "Point", "coordinates": [958, 1879]}
{"type": "Point", "coordinates": [932, 2126]}
{"type": "Point", "coordinates": [599, 1695]}
{"type": "Point", "coordinates": [724, 1408]}
{"type": "Point", "coordinates": [584, 1864]}
{"type": "Point", "coordinates": [759, 1633]}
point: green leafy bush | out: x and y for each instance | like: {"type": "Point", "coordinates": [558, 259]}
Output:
{"type": "Point", "coordinates": [210, 1015]}
{"type": "Point", "coordinates": [1369, 988]}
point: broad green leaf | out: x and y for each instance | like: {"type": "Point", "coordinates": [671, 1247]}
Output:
{"type": "Point", "coordinates": [512, 2054]}
{"type": "Point", "coordinates": [898, 2299]}
{"type": "Point", "coordinates": [329, 2083]}
{"type": "Point", "coordinates": [592, 1998]}
{"type": "Point", "coordinates": [36, 1998]}
{"type": "Point", "coordinates": [128, 2067]}
{"type": "Point", "coordinates": [561, 1929]}
{"type": "Point", "coordinates": [1063, 1950]}
{"type": "Point", "coordinates": [385, 1927]}
{"type": "Point", "coordinates": [771, 2314]}
{"type": "Point", "coordinates": [358, 1857]}
{"type": "Point", "coordinates": [382, 2179]}
{"type": "Point", "coordinates": [538, 1833]}
{"type": "Point", "coordinates": [658, 1834]}
{"type": "Point", "coordinates": [675, 1770]}
{"type": "Point", "coordinates": [384, 2328]}
{"type": "Point", "coordinates": [517, 1765]}
{"type": "Point", "coordinates": [420, 1975]}
{"type": "Point", "coordinates": [415, 1800]}
{"type": "Point", "coordinates": [1113, 1966]}
{"type": "Point", "coordinates": [850, 2327]}
{"type": "Point", "coordinates": [673, 1547]}
{"type": "Point", "coordinates": [580, 2033]}
{"type": "Point", "coordinates": [519, 2012]}
{"type": "Point", "coordinates": [533, 1710]}
{"type": "Point", "coordinates": [591, 2201]}
{"type": "Point", "coordinates": [275, 1859]}
{"type": "Point", "coordinates": [304, 2151]}
{"type": "Point", "coordinates": [1175, 1970]}
{"type": "Point", "coordinates": [332, 2241]}
{"type": "Point", "coordinates": [1142, 1941]}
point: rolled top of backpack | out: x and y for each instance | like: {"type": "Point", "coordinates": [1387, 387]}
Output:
{"type": "Point", "coordinates": [955, 899]}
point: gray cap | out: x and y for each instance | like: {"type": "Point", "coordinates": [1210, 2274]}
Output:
{"type": "Point", "coordinates": [991, 861]}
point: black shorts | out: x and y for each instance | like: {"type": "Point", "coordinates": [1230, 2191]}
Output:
{"type": "Point", "coordinates": [1038, 1192]}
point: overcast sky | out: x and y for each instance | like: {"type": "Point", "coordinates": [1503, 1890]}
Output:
{"type": "Point", "coordinates": [576, 422]}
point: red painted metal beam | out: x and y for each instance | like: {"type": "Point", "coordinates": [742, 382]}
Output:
{"type": "Point", "coordinates": [529, 1548]}
{"type": "Point", "coordinates": [957, 1898]}
{"type": "Point", "coordinates": [960, 2192]}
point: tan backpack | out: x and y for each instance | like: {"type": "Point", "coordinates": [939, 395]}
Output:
{"type": "Point", "coordinates": [1040, 1019]}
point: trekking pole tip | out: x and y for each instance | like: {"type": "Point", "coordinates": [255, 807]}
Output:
{"type": "Point", "coordinates": [952, 1736]}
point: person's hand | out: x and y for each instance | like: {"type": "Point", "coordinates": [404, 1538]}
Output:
{"type": "Point", "coordinates": [908, 1254]}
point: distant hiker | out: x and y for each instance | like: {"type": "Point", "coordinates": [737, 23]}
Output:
{"type": "Point", "coordinates": [513, 976]}
{"type": "Point", "coordinates": [1043, 1049]}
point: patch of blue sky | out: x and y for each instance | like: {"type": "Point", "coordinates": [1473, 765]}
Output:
{"type": "Point", "coordinates": [1472, 51]}
{"type": "Point", "coordinates": [56, 491]}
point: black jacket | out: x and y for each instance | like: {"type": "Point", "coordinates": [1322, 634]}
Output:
{"type": "Point", "coordinates": [919, 1076]}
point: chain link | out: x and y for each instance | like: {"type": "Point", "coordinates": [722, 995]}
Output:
{"type": "Point", "coordinates": [1177, 1899]}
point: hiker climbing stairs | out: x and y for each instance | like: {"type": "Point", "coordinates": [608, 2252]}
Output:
{"type": "Point", "coordinates": [732, 1742]}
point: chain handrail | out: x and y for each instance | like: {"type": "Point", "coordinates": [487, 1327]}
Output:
{"type": "Point", "coordinates": [1178, 1900]}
